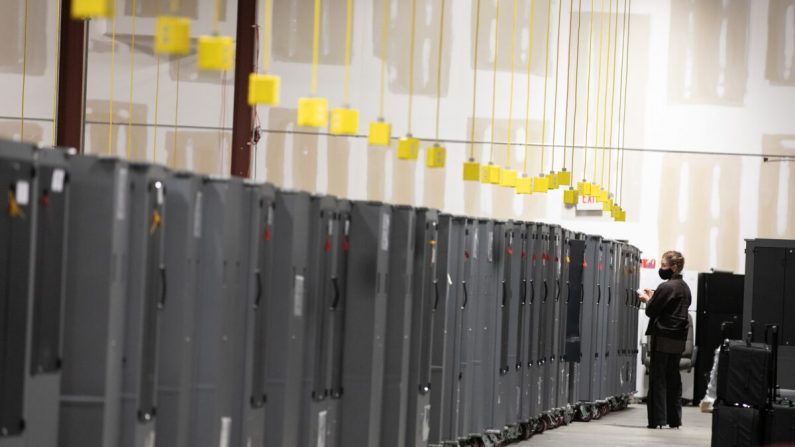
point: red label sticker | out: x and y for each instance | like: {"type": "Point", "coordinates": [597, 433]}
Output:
{"type": "Point", "coordinates": [584, 264]}
{"type": "Point", "coordinates": [327, 245]}
{"type": "Point", "coordinates": [345, 244]}
{"type": "Point", "coordinates": [267, 234]}
{"type": "Point", "coordinates": [556, 259]}
{"type": "Point", "coordinates": [600, 267]}
{"type": "Point", "coordinates": [524, 255]}
{"type": "Point", "coordinates": [466, 254]}
{"type": "Point", "coordinates": [509, 251]}
{"type": "Point", "coordinates": [535, 258]}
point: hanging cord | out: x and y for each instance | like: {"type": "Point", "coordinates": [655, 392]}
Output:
{"type": "Point", "coordinates": [132, 71]}
{"type": "Point", "coordinates": [24, 69]}
{"type": "Point", "coordinates": [266, 39]}
{"type": "Point", "coordinates": [588, 98]}
{"type": "Point", "coordinates": [475, 83]}
{"type": "Point", "coordinates": [626, 83]}
{"type": "Point", "coordinates": [439, 69]}
{"type": "Point", "coordinates": [620, 91]}
{"type": "Point", "coordinates": [112, 79]}
{"type": "Point", "coordinates": [384, 47]}
{"type": "Point", "coordinates": [411, 61]}
{"type": "Point", "coordinates": [56, 62]}
{"type": "Point", "coordinates": [527, 102]}
{"type": "Point", "coordinates": [510, 95]}
{"type": "Point", "coordinates": [348, 32]}
{"type": "Point", "coordinates": [576, 88]}
{"type": "Point", "coordinates": [546, 78]}
{"type": "Point", "coordinates": [494, 77]}
{"type": "Point", "coordinates": [607, 86]}
{"type": "Point", "coordinates": [598, 91]}
{"type": "Point", "coordinates": [612, 101]}
{"type": "Point", "coordinates": [176, 118]}
{"type": "Point", "coordinates": [217, 17]}
{"type": "Point", "coordinates": [315, 48]}
{"type": "Point", "coordinates": [555, 105]}
{"type": "Point", "coordinates": [157, 106]}
{"type": "Point", "coordinates": [568, 89]}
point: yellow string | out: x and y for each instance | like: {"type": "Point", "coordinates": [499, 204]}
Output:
{"type": "Point", "coordinates": [588, 99]}
{"type": "Point", "coordinates": [174, 6]}
{"type": "Point", "coordinates": [599, 88]}
{"type": "Point", "coordinates": [266, 36]}
{"type": "Point", "coordinates": [315, 48]}
{"type": "Point", "coordinates": [384, 43]}
{"type": "Point", "coordinates": [112, 79]}
{"type": "Point", "coordinates": [568, 79]}
{"type": "Point", "coordinates": [612, 101]}
{"type": "Point", "coordinates": [56, 63]}
{"type": "Point", "coordinates": [555, 106]}
{"type": "Point", "coordinates": [513, 72]}
{"type": "Point", "coordinates": [626, 83]}
{"type": "Point", "coordinates": [474, 83]}
{"type": "Point", "coordinates": [348, 31]}
{"type": "Point", "coordinates": [217, 18]}
{"type": "Point", "coordinates": [620, 89]}
{"type": "Point", "coordinates": [411, 61]}
{"type": "Point", "coordinates": [576, 88]}
{"type": "Point", "coordinates": [24, 70]}
{"type": "Point", "coordinates": [132, 67]}
{"type": "Point", "coordinates": [527, 103]}
{"type": "Point", "coordinates": [157, 103]}
{"type": "Point", "coordinates": [546, 78]}
{"type": "Point", "coordinates": [607, 86]}
{"type": "Point", "coordinates": [494, 76]}
{"type": "Point", "coordinates": [176, 119]}
{"type": "Point", "coordinates": [439, 69]}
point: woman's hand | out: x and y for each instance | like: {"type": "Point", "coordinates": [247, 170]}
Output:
{"type": "Point", "coordinates": [646, 295]}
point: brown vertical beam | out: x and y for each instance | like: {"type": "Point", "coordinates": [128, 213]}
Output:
{"type": "Point", "coordinates": [71, 80]}
{"type": "Point", "coordinates": [242, 117]}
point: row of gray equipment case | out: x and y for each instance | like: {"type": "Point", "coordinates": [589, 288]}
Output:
{"type": "Point", "coordinates": [200, 311]}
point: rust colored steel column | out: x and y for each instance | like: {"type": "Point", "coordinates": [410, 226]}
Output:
{"type": "Point", "coordinates": [71, 80]}
{"type": "Point", "coordinates": [242, 117]}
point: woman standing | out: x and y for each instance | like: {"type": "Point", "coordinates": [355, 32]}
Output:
{"type": "Point", "coordinates": [667, 308]}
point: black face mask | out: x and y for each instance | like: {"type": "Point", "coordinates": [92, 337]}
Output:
{"type": "Point", "coordinates": [666, 274]}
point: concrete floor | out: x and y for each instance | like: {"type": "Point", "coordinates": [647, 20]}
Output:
{"type": "Point", "coordinates": [628, 428]}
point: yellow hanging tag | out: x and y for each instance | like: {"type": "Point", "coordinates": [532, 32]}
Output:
{"type": "Point", "coordinates": [583, 188]}
{"type": "Point", "coordinates": [508, 178]}
{"type": "Point", "coordinates": [471, 170]}
{"type": "Point", "coordinates": [312, 112]}
{"type": "Point", "coordinates": [541, 183]}
{"type": "Point", "coordinates": [607, 205]}
{"type": "Point", "coordinates": [570, 196]}
{"type": "Point", "coordinates": [524, 185]}
{"type": "Point", "coordinates": [344, 121]}
{"type": "Point", "coordinates": [435, 156]}
{"type": "Point", "coordinates": [494, 174]}
{"type": "Point", "coordinates": [408, 148]}
{"type": "Point", "coordinates": [263, 89]}
{"type": "Point", "coordinates": [568, 259]}
{"type": "Point", "coordinates": [172, 35]}
{"type": "Point", "coordinates": [216, 53]}
{"type": "Point", "coordinates": [552, 180]}
{"type": "Point", "coordinates": [603, 196]}
{"type": "Point", "coordinates": [380, 134]}
{"type": "Point", "coordinates": [615, 211]}
{"type": "Point", "coordinates": [87, 9]}
{"type": "Point", "coordinates": [13, 206]}
{"type": "Point", "coordinates": [156, 221]}
{"type": "Point", "coordinates": [564, 178]}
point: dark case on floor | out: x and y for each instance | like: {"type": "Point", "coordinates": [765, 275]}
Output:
{"type": "Point", "coordinates": [735, 426]}
{"type": "Point", "coordinates": [779, 416]}
{"type": "Point", "coordinates": [744, 373]}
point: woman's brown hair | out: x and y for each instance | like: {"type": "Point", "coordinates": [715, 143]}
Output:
{"type": "Point", "coordinates": [675, 260]}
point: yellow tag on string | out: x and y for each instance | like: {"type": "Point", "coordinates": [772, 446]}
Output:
{"type": "Point", "coordinates": [312, 112]}
{"type": "Point", "coordinates": [380, 134]}
{"type": "Point", "coordinates": [471, 170]}
{"type": "Point", "coordinates": [87, 9]}
{"type": "Point", "coordinates": [13, 206]}
{"type": "Point", "coordinates": [156, 221]}
{"type": "Point", "coordinates": [172, 35]}
{"type": "Point", "coordinates": [570, 196]}
{"type": "Point", "coordinates": [344, 121]}
{"type": "Point", "coordinates": [216, 53]}
{"type": "Point", "coordinates": [408, 148]}
{"type": "Point", "coordinates": [435, 156]}
{"type": "Point", "coordinates": [508, 178]}
{"type": "Point", "coordinates": [263, 89]}
{"type": "Point", "coordinates": [524, 185]}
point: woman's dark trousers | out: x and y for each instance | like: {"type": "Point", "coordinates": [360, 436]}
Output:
{"type": "Point", "coordinates": [664, 401]}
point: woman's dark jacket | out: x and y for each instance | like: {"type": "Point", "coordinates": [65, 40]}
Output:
{"type": "Point", "coordinates": [667, 310]}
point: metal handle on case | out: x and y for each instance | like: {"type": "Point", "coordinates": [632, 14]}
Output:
{"type": "Point", "coordinates": [466, 295]}
{"type": "Point", "coordinates": [504, 292]}
{"type": "Point", "coordinates": [546, 292]}
{"type": "Point", "coordinates": [532, 291]}
{"type": "Point", "coordinates": [436, 293]}
{"type": "Point", "coordinates": [627, 297]}
{"type": "Point", "coordinates": [258, 297]}
{"type": "Point", "coordinates": [559, 290]}
{"type": "Point", "coordinates": [609, 295]}
{"type": "Point", "coordinates": [161, 303]}
{"type": "Point", "coordinates": [582, 294]}
{"type": "Point", "coordinates": [568, 294]}
{"type": "Point", "coordinates": [336, 302]}
{"type": "Point", "coordinates": [524, 291]}
{"type": "Point", "coordinates": [599, 295]}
